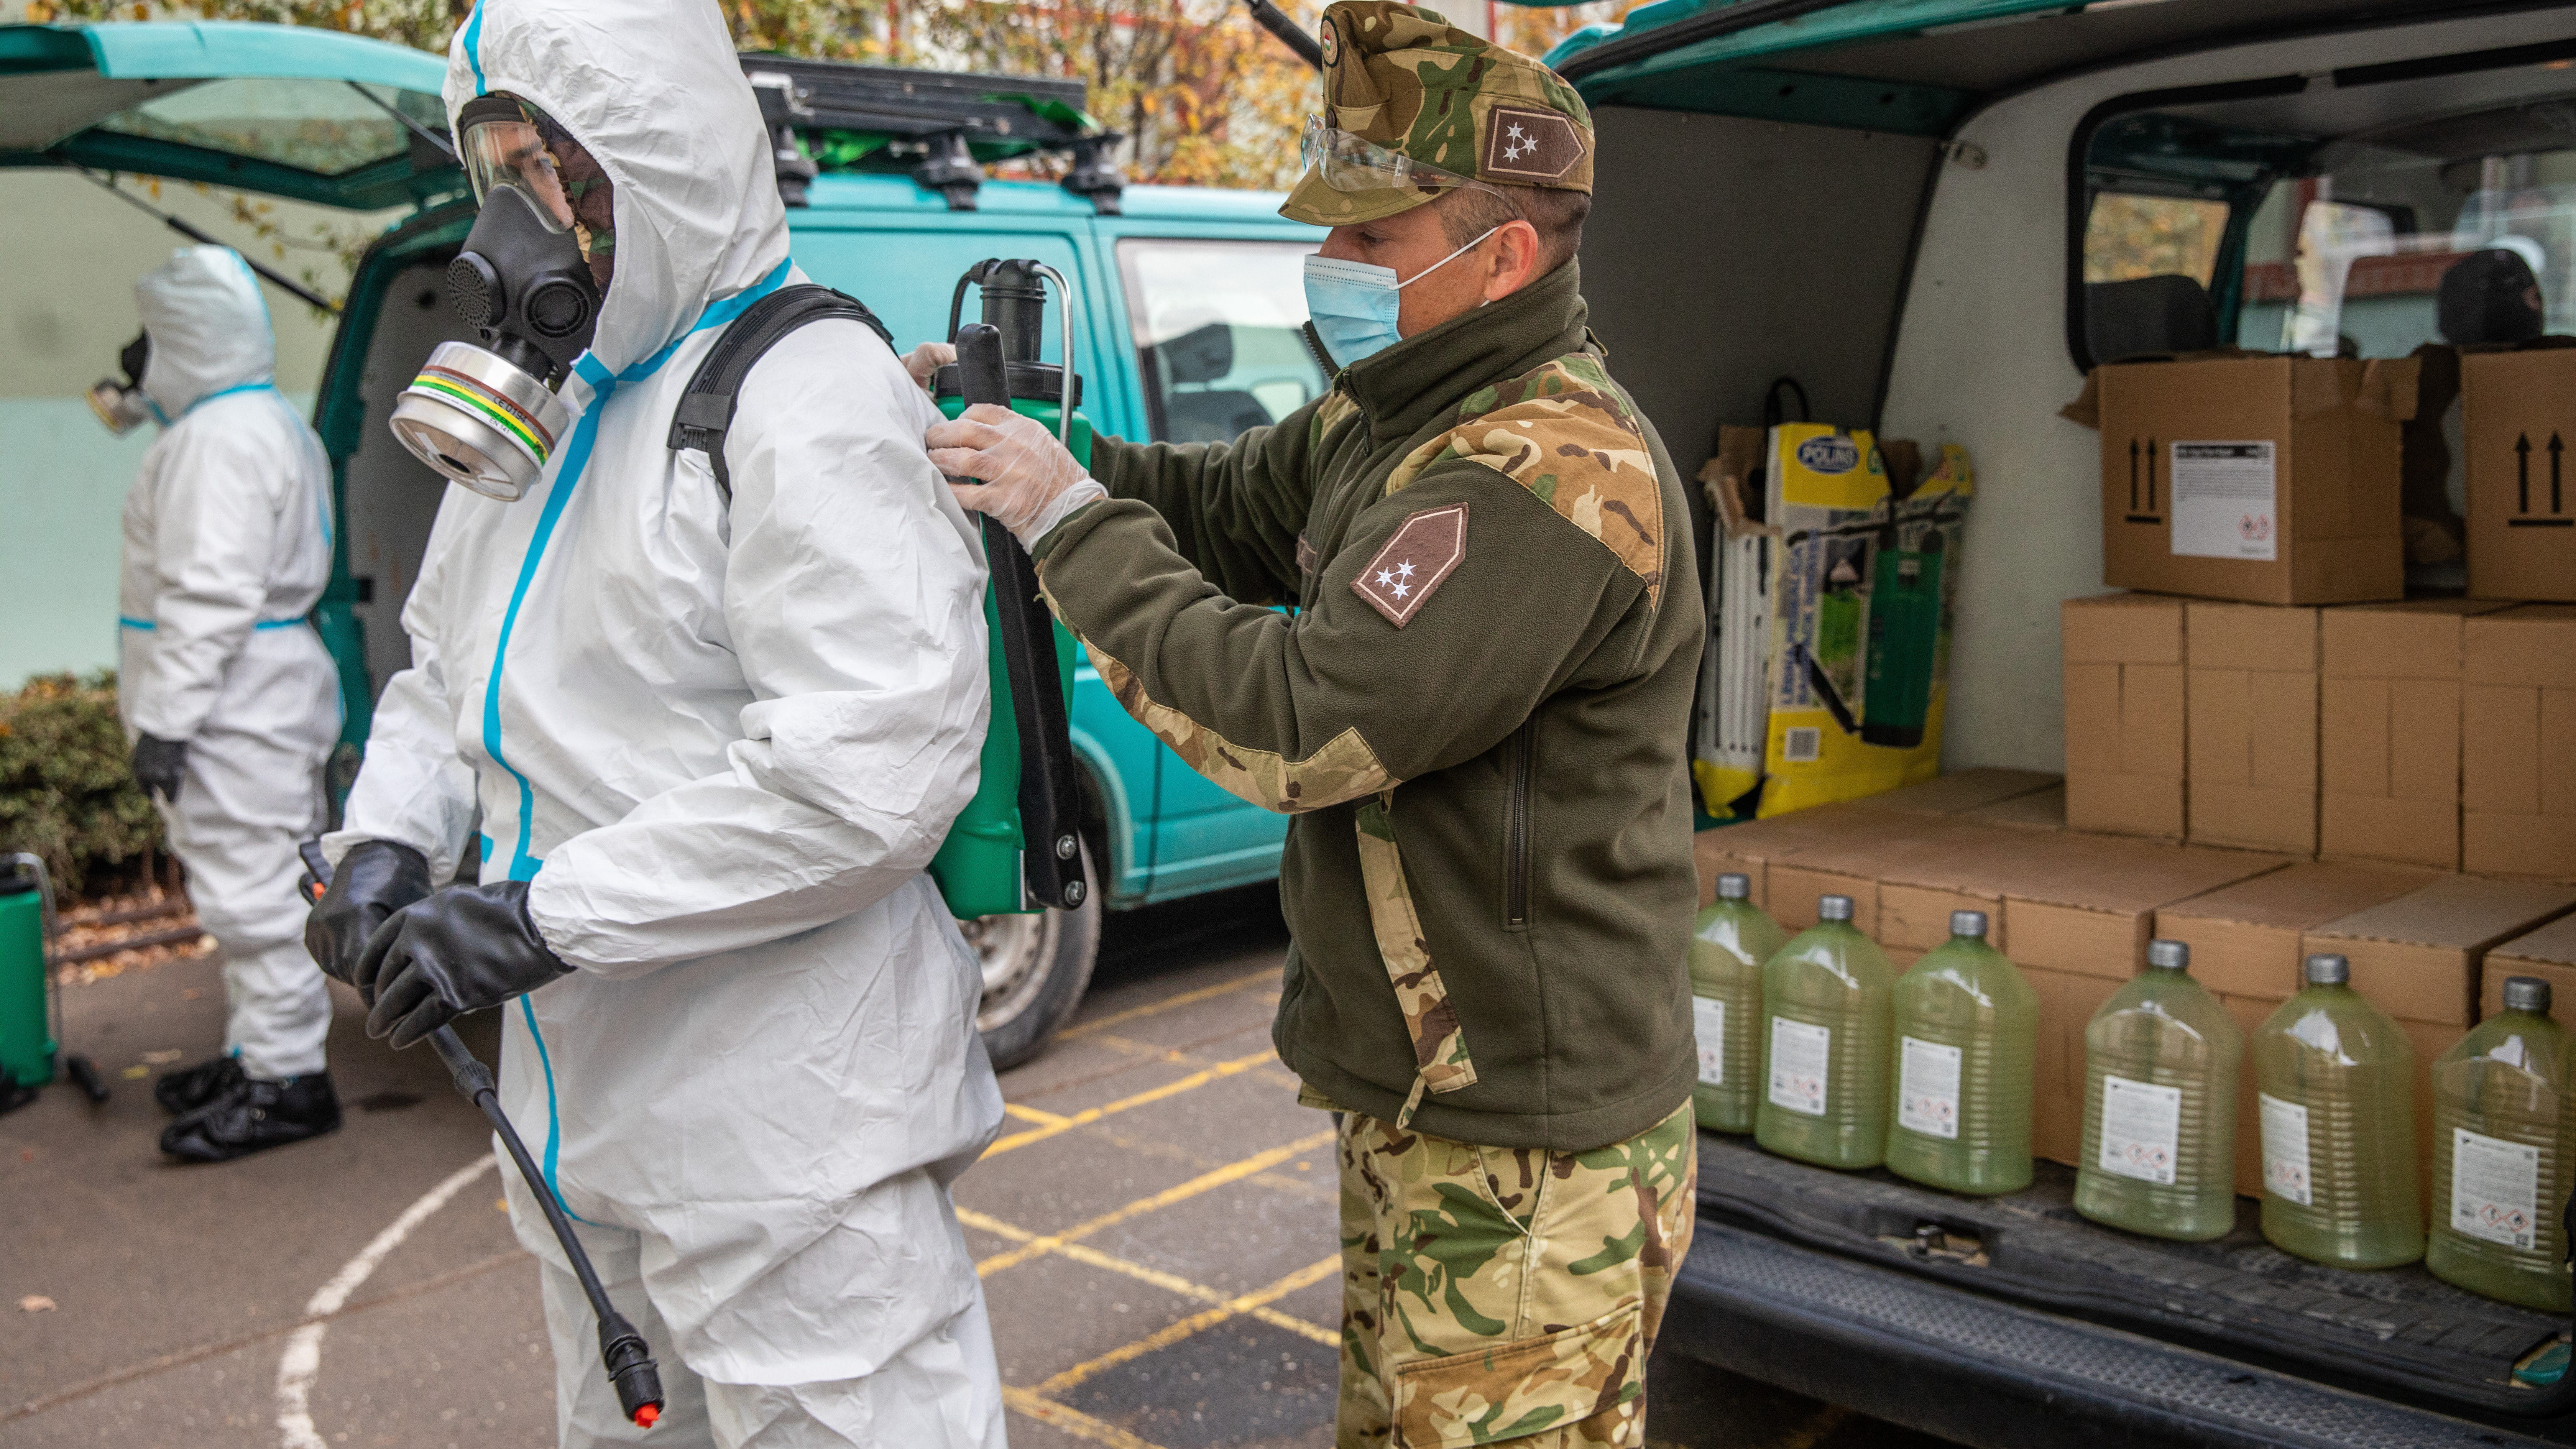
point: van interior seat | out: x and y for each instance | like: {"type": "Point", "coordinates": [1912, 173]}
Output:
{"type": "Point", "coordinates": [2144, 316]}
{"type": "Point", "coordinates": [1204, 415]}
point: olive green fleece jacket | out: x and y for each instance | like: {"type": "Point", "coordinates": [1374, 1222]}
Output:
{"type": "Point", "coordinates": [1477, 713]}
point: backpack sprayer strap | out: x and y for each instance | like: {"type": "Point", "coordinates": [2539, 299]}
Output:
{"type": "Point", "coordinates": [706, 410]}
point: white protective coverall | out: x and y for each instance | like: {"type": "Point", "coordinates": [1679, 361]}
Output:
{"type": "Point", "coordinates": [227, 545]}
{"type": "Point", "coordinates": [722, 743]}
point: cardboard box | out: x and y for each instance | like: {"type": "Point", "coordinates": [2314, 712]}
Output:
{"type": "Point", "coordinates": [2271, 480]}
{"type": "Point", "coordinates": [2250, 726]}
{"type": "Point", "coordinates": [1961, 791]}
{"type": "Point", "coordinates": [2124, 714]}
{"type": "Point", "coordinates": [2057, 1128]}
{"type": "Point", "coordinates": [2039, 810]}
{"type": "Point", "coordinates": [1864, 855]}
{"type": "Point", "coordinates": [2388, 741]}
{"type": "Point", "coordinates": [2516, 420]}
{"type": "Point", "coordinates": [2548, 953]}
{"type": "Point", "coordinates": [2086, 904]}
{"type": "Point", "coordinates": [2419, 957]}
{"type": "Point", "coordinates": [2518, 742]}
{"type": "Point", "coordinates": [1749, 848]}
{"type": "Point", "coordinates": [2245, 938]}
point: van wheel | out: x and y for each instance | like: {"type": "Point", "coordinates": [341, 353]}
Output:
{"type": "Point", "coordinates": [1036, 967]}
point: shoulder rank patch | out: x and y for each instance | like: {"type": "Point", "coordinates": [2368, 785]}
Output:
{"type": "Point", "coordinates": [1426, 550]}
{"type": "Point", "coordinates": [1564, 432]}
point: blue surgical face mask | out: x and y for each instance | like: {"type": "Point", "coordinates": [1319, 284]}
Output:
{"type": "Point", "coordinates": [1354, 304]}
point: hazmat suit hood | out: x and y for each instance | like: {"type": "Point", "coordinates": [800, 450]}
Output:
{"type": "Point", "coordinates": [208, 326]}
{"type": "Point", "coordinates": [652, 90]}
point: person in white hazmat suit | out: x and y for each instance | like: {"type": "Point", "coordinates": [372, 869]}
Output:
{"type": "Point", "coordinates": [232, 701]}
{"type": "Point", "coordinates": [714, 743]}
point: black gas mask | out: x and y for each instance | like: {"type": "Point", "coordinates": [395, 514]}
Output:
{"type": "Point", "coordinates": [123, 407]}
{"type": "Point", "coordinates": [488, 417]}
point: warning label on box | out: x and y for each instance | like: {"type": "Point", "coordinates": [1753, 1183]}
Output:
{"type": "Point", "coordinates": [2224, 500]}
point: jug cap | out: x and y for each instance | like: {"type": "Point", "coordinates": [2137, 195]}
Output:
{"type": "Point", "coordinates": [2328, 969]}
{"type": "Point", "coordinates": [2526, 993]}
{"type": "Point", "coordinates": [2171, 955]}
{"type": "Point", "coordinates": [1833, 908]}
{"type": "Point", "coordinates": [1734, 886]}
{"type": "Point", "coordinates": [1968, 923]}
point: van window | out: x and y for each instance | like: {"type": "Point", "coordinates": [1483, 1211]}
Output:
{"type": "Point", "coordinates": [329, 127]}
{"type": "Point", "coordinates": [2364, 214]}
{"type": "Point", "coordinates": [1218, 333]}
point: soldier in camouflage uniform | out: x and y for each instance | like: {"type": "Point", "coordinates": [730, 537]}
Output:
{"type": "Point", "coordinates": [1476, 715]}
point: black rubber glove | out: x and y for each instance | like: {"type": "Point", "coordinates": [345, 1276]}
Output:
{"type": "Point", "coordinates": [461, 950]}
{"type": "Point", "coordinates": [160, 766]}
{"type": "Point", "coordinates": [375, 879]}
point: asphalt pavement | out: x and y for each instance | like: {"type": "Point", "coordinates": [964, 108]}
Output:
{"type": "Point", "coordinates": [1155, 1229]}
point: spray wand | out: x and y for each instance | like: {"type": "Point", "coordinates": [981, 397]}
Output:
{"type": "Point", "coordinates": [622, 1351]}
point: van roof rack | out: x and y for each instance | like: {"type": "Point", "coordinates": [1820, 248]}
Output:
{"type": "Point", "coordinates": [940, 127]}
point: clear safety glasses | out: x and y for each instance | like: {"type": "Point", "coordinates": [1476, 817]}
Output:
{"type": "Point", "coordinates": [503, 142]}
{"type": "Point", "coordinates": [1351, 163]}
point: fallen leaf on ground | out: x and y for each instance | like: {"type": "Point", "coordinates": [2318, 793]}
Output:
{"type": "Point", "coordinates": [35, 1303]}
{"type": "Point", "coordinates": [162, 1059]}
{"type": "Point", "coordinates": [136, 1074]}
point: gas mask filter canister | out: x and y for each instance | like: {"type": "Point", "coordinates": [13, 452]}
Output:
{"type": "Point", "coordinates": [487, 416]}
{"type": "Point", "coordinates": [123, 407]}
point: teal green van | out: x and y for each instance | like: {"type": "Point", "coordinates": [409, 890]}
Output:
{"type": "Point", "coordinates": [1189, 304]}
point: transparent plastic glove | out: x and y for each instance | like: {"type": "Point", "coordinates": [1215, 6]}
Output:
{"type": "Point", "coordinates": [1029, 482]}
{"type": "Point", "coordinates": [924, 361]}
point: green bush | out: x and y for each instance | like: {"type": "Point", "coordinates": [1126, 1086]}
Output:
{"type": "Point", "coordinates": [65, 790]}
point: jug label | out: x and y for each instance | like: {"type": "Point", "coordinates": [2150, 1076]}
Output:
{"type": "Point", "coordinates": [1801, 1056]}
{"type": "Point", "coordinates": [2285, 1150]}
{"type": "Point", "coordinates": [2141, 1129]}
{"type": "Point", "coordinates": [2495, 1189]}
{"type": "Point", "coordinates": [1708, 1019]}
{"type": "Point", "coordinates": [1927, 1088]}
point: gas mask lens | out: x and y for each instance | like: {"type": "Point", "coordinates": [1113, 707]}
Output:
{"type": "Point", "coordinates": [122, 407]}
{"type": "Point", "coordinates": [1351, 163]}
{"type": "Point", "coordinates": [502, 145]}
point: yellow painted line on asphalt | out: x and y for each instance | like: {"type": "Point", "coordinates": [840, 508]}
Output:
{"type": "Point", "coordinates": [1072, 1421]}
{"type": "Point", "coordinates": [1204, 1182]}
{"type": "Point", "coordinates": [1155, 1008]}
{"type": "Point", "coordinates": [1089, 1115]}
{"type": "Point", "coordinates": [1039, 1115]}
{"type": "Point", "coordinates": [1250, 1303]}
{"type": "Point", "coordinates": [1172, 1283]}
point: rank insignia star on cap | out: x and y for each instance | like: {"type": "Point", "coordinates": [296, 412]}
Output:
{"type": "Point", "coordinates": [1423, 553]}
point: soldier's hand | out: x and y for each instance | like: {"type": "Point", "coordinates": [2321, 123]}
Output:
{"type": "Point", "coordinates": [924, 361]}
{"type": "Point", "coordinates": [1029, 483]}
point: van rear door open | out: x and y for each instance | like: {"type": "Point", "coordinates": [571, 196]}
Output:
{"type": "Point", "coordinates": [1931, 216]}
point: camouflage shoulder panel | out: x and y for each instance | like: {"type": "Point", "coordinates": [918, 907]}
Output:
{"type": "Point", "coordinates": [1565, 432]}
{"type": "Point", "coordinates": [1337, 408]}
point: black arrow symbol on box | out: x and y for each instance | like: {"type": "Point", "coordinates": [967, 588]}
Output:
{"type": "Point", "coordinates": [2555, 448]}
{"type": "Point", "coordinates": [2522, 471]}
{"type": "Point", "coordinates": [2133, 475]}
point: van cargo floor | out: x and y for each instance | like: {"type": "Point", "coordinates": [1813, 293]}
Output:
{"type": "Point", "coordinates": [2399, 1331]}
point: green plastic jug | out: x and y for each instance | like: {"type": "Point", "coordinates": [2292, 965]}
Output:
{"type": "Point", "coordinates": [2502, 1140]}
{"type": "Point", "coordinates": [2160, 1060]}
{"type": "Point", "coordinates": [26, 1044]}
{"type": "Point", "coordinates": [1824, 1037]}
{"type": "Point", "coordinates": [1729, 944]}
{"type": "Point", "coordinates": [1967, 1035]}
{"type": "Point", "coordinates": [2337, 1114]}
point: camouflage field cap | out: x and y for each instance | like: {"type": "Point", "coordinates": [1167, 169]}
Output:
{"type": "Point", "coordinates": [1404, 79]}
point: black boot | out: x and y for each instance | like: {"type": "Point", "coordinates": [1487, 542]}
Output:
{"type": "Point", "coordinates": [184, 1091]}
{"type": "Point", "coordinates": [253, 1117]}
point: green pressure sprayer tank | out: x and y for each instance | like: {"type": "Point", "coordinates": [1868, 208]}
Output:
{"type": "Point", "coordinates": [1016, 846]}
{"type": "Point", "coordinates": [26, 1043]}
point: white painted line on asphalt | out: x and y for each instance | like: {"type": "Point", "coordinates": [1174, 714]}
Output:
{"type": "Point", "coordinates": [303, 1357]}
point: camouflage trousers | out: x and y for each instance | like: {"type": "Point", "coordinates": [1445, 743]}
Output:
{"type": "Point", "coordinates": [1500, 1293]}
